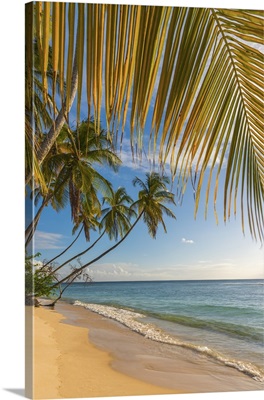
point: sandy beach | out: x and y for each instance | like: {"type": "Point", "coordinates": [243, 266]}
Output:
{"type": "Point", "coordinates": [67, 364]}
{"type": "Point", "coordinates": [77, 353]}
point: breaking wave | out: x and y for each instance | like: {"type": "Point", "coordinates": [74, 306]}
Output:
{"type": "Point", "coordinates": [131, 319]}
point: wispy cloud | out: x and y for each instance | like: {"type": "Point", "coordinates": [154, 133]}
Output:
{"type": "Point", "coordinates": [187, 241]}
{"type": "Point", "coordinates": [111, 271]}
{"type": "Point", "coordinates": [223, 265]}
{"type": "Point", "coordinates": [48, 240]}
{"type": "Point", "coordinates": [135, 162]}
{"type": "Point", "coordinates": [130, 272]}
{"type": "Point", "coordinates": [203, 269]}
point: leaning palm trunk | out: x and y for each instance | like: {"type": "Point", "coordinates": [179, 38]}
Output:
{"type": "Point", "coordinates": [65, 250]}
{"type": "Point", "coordinates": [30, 230]}
{"type": "Point", "coordinates": [103, 254]}
{"type": "Point", "coordinates": [77, 255]}
{"type": "Point", "coordinates": [202, 68]}
{"type": "Point", "coordinates": [55, 129]}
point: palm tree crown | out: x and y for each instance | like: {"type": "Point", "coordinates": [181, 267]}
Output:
{"type": "Point", "coordinates": [150, 206]}
{"type": "Point", "coordinates": [116, 218]}
{"type": "Point", "coordinates": [71, 175]}
{"type": "Point", "coordinates": [201, 68]}
{"type": "Point", "coordinates": [74, 165]}
{"type": "Point", "coordinates": [151, 199]}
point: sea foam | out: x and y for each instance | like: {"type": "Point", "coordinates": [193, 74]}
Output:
{"type": "Point", "coordinates": [130, 319]}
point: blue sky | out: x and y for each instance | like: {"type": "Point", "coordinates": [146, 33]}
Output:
{"type": "Point", "coordinates": [191, 249]}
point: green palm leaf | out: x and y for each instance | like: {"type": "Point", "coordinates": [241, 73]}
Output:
{"type": "Point", "coordinates": [116, 218]}
{"type": "Point", "coordinates": [151, 201]}
{"type": "Point", "coordinates": [203, 71]}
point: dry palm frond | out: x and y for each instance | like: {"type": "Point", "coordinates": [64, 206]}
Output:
{"type": "Point", "coordinates": [61, 47]}
{"type": "Point", "coordinates": [31, 163]}
{"type": "Point", "coordinates": [55, 44]}
{"type": "Point", "coordinates": [196, 73]}
{"type": "Point", "coordinates": [70, 56]}
{"type": "Point", "coordinates": [80, 44]}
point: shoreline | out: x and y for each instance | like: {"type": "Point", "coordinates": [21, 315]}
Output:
{"type": "Point", "coordinates": [133, 364]}
{"type": "Point", "coordinates": [133, 320]}
{"type": "Point", "coordinates": [73, 366]}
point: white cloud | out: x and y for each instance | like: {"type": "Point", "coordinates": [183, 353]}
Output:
{"type": "Point", "coordinates": [187, 241]}
{"type": "Point", "coordinates": [223, 265]}
{"type": "Point", "coordinates": [130, 272]}
{"type": "Point", "coordinates": [204, 269]}
{"type": "Point", "coordinates": [137, 162]}
{"type": "Point", "coordinates": [48, 240]}
{"type": "Point", "coordinates": [148, 160]}
{"type": "Point", "coordinates": [111, 269]}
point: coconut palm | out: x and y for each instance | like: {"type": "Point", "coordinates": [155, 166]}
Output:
{"type": "Point", "coordinates": [70, 169]}
{"type": "Point", "coordinates": [151, 199]}
{"type": "Point", "coordinates": [150, 206]}
{"type": "Point", "coordinates": [201, 68]}
{"type": "Point", "coordinates": [116, 218]}
{"type": "Point", "coordinates": [115, 221]}
{"type": "Point", "coordinates": [88, 219]}
{"type": "Point", "coordinates": [39, 113]}
{"type": "Point", "coordinates": [78, 157]}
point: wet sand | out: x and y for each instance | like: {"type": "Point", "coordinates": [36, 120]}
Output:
{"type": "Point", "coordinates": [92, 356]}
{"type": "Point", "coordinates": [67, 365]}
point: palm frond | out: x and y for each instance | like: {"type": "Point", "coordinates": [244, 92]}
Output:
{"type": "Point", "coordinates": [202, 70]}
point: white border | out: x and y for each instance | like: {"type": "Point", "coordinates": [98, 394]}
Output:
{"type": "Point", "coordinates": [12, 196]}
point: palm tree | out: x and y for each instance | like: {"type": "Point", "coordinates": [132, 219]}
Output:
{"type": "Point", "coordinates": [71, 172]}
{"type": "Point", "coordinates": [89, 214]}
{"type": "Point", "coordinates": [46, 263]}
{"type": "Point", "coordinates": [150, 201]}
{"type": "Point", "coordinates": [201, 68]}
{"type": "Point", "coordinates": [115, 221]}
{"type": "Point", "coordinates": [150, 207]}
{"type": "Point", "coordinates": [38, 116]}
{"type": "Point", "coordinates": [116, 218]}
{"type": "Point", "coordinates": [78, 157]}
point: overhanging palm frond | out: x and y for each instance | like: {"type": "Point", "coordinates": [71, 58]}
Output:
{"type": "Point", "coordinates": [225, 122]}
{"type": "Point", "coordinates": [31, 162]}
{"type": "Point", "coordinates": [200, 68]}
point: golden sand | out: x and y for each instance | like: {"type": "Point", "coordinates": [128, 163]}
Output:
{"type": "Point", "coordinates": [79, 354]}
{"type": "Point", "coordinates": [67, 365]}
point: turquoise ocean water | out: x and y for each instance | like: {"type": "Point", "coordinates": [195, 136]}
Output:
{"type": "Point", "coordinates": [222, 319]}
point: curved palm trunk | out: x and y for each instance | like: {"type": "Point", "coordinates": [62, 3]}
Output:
{"type": "Point", "coordinates": [101, 255]}
{"type": "Point", "coordinates": [64, 251]}
{"type": "Point", "coordinates": [58, 124]}
{"type": "Point", "coordinates": [78, 255]}
{"type": "Point", "coordinates": [33, 225]}
{"type": "Point", "coordinates": [30, 230]}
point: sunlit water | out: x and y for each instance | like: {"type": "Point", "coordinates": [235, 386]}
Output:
{"type": "Point", "coordinates": [220, 319]}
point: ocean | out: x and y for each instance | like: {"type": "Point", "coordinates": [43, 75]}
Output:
{"type": "Point", "coordinates": [220, 319]}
